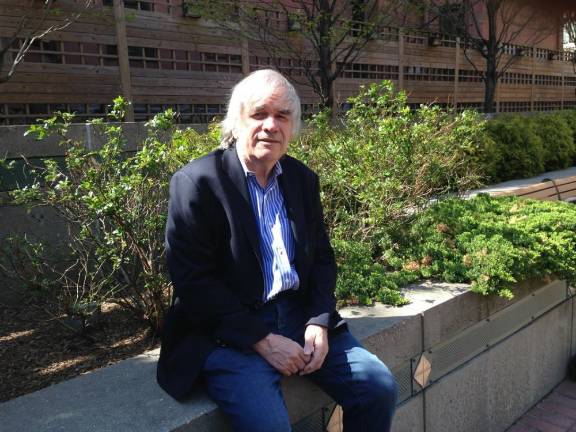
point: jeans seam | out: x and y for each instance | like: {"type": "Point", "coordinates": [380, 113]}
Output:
{"type": "Point", "coordinates": [350, 388]}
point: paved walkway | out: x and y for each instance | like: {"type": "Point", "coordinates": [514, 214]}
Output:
{"type": "Point", "coordinates": [555, 413]}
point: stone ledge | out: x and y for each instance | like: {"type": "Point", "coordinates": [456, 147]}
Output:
{"type": "Point", "coordinates": [125, 396]}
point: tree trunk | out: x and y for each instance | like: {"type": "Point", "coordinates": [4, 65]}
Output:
{"type": "Point", "coordinates": [3, 60]}
{"type": "Point", "coordinates": [490, 91]}
{"type": "Point", "coordinates": [325, 60]}
{"type": "Point", "coordinates": [491, 73]}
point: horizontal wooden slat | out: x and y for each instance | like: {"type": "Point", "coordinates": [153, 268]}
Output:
{"type": "Point", "coordinates": [546, 190]}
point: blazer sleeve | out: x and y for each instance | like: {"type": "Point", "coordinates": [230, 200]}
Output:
{"type": "Point", "coordinates": [323, 273]}
{"type": "Point", "coordinates": [192, 244]}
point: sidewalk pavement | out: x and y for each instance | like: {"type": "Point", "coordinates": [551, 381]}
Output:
{"type": "Point", "coordinates": [555, 413]}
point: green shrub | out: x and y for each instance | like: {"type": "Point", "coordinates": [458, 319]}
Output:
{"type": "Point", "coordinates": [115, 205]}
{"type": "Point", "coordinates": [385, 162]}
{"type": "Point", "coordinates": [378, 168]}
{"type": "Point", "coordinates": [361, 280]}
{"type": "Point", "coordinates": [520, 149]}
{"type": "Point", "coordinates": [557, 140]}
{"type": "Point", "coordinates": [491, 242]}
{"type": "Point", "coordinates": [569, 118]}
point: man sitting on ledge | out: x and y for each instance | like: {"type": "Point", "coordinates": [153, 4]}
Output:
{"type": "Point", "coordinates": [254, 276]}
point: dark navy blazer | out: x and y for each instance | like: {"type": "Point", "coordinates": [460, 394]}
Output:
{"type": "Point", "coordinates": [214, 260]}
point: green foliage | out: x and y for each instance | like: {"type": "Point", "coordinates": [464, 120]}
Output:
{"type": "Point", "coordinates": [362, 280]}
{"type": "Point", "coordinates": [491, 242]}
{"type": "Point", "coordinates": [115, 204]}
{"type": "Point", "coordinates": [528, 146]}
{"type": "Point", "coordinates": [557, 140]}
{"type": "Point", "coordinates": [519, 149]}
{"type": "Point", "coordinates": [569, 119]}
{"type": "Point", "coordinates": [378, 168]}
{"type": "Point", "coordinates": [385, 162]}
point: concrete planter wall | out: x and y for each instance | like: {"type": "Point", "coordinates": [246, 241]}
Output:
{"type": "Point", "coordinates": [490, 360]}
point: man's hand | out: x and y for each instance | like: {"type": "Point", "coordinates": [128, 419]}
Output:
{"type": "Point", "coordinates": [316, 345]}
{"type": "Point", "coordinates": [284, 354]}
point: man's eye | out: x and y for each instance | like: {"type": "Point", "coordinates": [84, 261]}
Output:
{"type": "Point", "coordinates": [259, 115]}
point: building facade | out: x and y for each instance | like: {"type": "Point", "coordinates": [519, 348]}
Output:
{"type": "Point", "coordinates": [160, 54]}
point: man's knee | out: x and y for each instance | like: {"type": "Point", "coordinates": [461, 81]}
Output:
{"type": "Point", "coordinates": [381, 387]}
{"type": "Point", "coordinates": [388, 388]}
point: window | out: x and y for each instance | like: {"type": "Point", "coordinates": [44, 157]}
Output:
{"type": "Point", "coordinates": [176, 59]}
{"type": "Point", "coordinates": [548, 80]}
{"type": "Point", "coordinates": [547, 105]}
{"type": "Point", "coordinates": [370, 71]}
{"type": "Point", "coordinates": [42, 51]}
{"type": "Point", "coordinates": [290, 67]}
{"type": "Point", "coordinates": [71, 53]}
{"type": "Point", "coordinates": [186, 113]}
{"type": "Point", "coordinates": [163, 6]}
{"type": "Point", "coordinates": [516, 78]}
{"type": "Point", "coordinates": [419, 73]}
{"type": "Point", "coordinates": [515, 106]}
{"type": "Point", "coordinates": [466, 75]}
{"type": "Point", "coordinates": [14, 114]}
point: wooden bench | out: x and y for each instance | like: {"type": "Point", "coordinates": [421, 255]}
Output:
{"type": "Point", "coordinates": [563, 189]}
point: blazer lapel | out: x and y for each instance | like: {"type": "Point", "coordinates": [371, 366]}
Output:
{"type": "Point", "coordinates": [241, 200]}
{"type": "Point", "coordinates": [295, 209]}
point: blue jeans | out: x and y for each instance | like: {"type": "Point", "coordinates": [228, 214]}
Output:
{"type": "Point", "coordinates": [247, 388]}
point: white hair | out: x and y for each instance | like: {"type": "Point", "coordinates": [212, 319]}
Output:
{"type": "Point", "coordinates": [255, 86]}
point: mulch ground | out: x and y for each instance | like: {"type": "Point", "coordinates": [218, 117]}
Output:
{"type": "Point", "coordinates": [37, 350]}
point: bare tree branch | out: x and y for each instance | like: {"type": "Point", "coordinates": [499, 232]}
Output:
{"type": "Point", "coordinates": [322, 39]}
{"type": "Point", "coordinates": [32, 28]}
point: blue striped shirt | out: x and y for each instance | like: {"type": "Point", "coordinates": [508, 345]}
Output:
{"type": "Point", "coordinates": [276, 238]}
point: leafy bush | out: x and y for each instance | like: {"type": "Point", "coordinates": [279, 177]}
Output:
{"type": "Point", "coordinates": [385, 162]}
{"type": "Point", "coordinates": [379, 167]}
{"type": "Point", "coordinates": [520, 149]}
{"type": "Point", "coordinates": [569, 119]}
{"type": "Point", "coordinates": [362, 280]}
{"type": "Point", "coordinates": [557, 140]}
{"type": "Point", "coordinates": [115, 205]}
{"type": "Point", "coordinates": [528, 146]}
{"type": "Point", "coordinates": [491, 242]}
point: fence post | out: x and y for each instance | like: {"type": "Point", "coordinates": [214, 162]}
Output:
{"type": "Point", "coordinates": [456, 73]}
{"type": "Point", "coordinates": [400, 59]}
{"type": "Point", "coordinates": [123, 61]}
{"type": "Point", "coordinates": [533, 86]}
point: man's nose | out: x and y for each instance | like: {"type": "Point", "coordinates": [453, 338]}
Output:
{"type": "Point", "coordinates": [270, 124]}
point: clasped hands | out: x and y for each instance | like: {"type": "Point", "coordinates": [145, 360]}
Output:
{"type": "Point", "coordinates": [289, 358]}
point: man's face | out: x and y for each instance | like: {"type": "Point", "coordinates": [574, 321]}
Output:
{"type": "Point", "coordinates": [265, 129]}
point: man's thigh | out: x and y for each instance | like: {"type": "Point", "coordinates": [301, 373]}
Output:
{"type": "Point", "coordinates": [247, 388]}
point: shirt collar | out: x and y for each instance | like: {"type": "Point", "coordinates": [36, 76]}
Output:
{"type": "Point", "coordinates": [276, 171]}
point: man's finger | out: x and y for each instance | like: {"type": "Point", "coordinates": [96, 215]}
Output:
{"type": "Point", "coordinates": [300, 362]}
{"type": "Point", "coordinates": [314, 365]}
{"type": "Point", "coordinates": [309, 344]}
